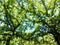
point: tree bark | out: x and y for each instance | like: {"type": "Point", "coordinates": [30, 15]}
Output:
{"type": "Point", "coordinates": [57, 38]}
{"type": "Point", "coordinates": [8, 41]}
{"type": "Point", "coordinates": [56, 35]}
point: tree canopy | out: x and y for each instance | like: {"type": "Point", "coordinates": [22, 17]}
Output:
{"type": "Point", "coordinates": [30, 22]}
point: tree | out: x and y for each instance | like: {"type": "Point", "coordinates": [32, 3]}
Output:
{"type": "Point", "coordinates": [37, 17]}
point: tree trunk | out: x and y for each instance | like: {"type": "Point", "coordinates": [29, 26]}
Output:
{"type": "Point", "coordinates": [8, 40]}
{"type": "Point", "coordinates": [56, 35]}
{"type": "Point", "coordinates": [57, 39]}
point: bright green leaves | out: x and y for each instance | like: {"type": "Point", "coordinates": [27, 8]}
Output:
{"type": "Point", "coordinates": [49, 40]}
{"type": "Point", "coordinates": [49, 3]}
{"type": "Point", "coordinates": [39, 6]}
{"type": "Point", "coordinates": [10, 1]}
{"type": "Point", "coordinates": [45, 40]}
{"type": "Point", "coordinates": [34, 16]}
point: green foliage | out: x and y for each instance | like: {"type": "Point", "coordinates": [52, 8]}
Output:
{"type": "Point", "coordinates": [29, 21]}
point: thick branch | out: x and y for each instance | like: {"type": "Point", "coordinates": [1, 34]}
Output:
{"type": "Point", "coordinates": [45, 7]}
{"type": "Point", "coordinates": [52, 13]}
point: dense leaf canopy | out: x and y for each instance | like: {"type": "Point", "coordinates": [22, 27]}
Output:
{"type": "Point", "coordinates": [29, 22]}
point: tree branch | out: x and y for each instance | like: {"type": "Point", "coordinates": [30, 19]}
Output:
{"type": "Point", "coordinates": [52, 13]}
{"type": "Point", "coordinates": [45, 7]}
